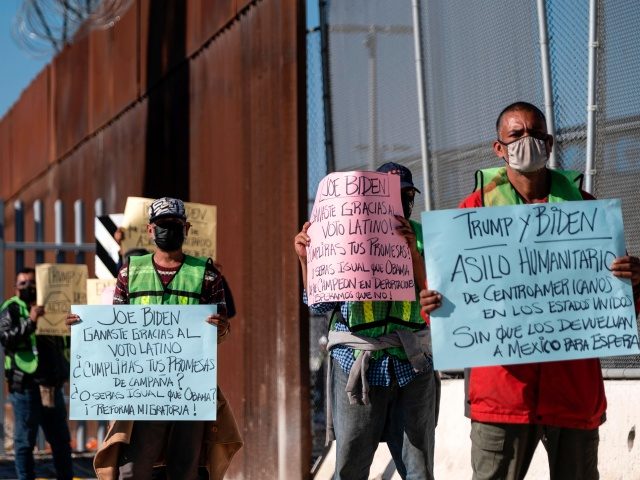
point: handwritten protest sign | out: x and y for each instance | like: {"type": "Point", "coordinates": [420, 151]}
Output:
{"type": "Point", "coordinates": [144, 362]}
{"type": "Point", "coordinates": [58, 286]}
{"type": "Point", "coordinates": [355, 254]}
{"type": "Point", "coordinates": [200, 242]}
{"type": "Point", "coordinates": [528, 283]}
{"type": "Point", "coordinates": [100, 291]}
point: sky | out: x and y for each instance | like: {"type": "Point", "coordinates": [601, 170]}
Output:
{"type": "Point", "coordinates": [18, 67]}
{"type": "Point", "coordinates": [313, 19]}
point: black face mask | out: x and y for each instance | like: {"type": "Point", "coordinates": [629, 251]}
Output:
{"type": "Point", "coordinates": [407, 205]}
{"type": "Point", "coordinates": [169, 237]}
{"type": "Point", "coordinates": [27, 295]}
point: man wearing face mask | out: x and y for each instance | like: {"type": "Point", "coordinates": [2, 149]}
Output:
{"type": "Point", "coordinates": [169, 276]}
{"type": "Point", "coordinates": [378, 394]}
{"type": "Point", "coordinates": [514, 407]}
{"type": "Point", "coordinates": [36, 367]}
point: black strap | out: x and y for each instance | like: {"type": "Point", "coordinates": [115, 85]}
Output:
{"type": "Point", "coordinates": [169, 291]}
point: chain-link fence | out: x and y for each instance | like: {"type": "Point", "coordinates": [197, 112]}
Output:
{"type": "Point", "coordinates": [373, 85]}
{"type": "Point", "coordinates": [478, 57]}
{"type": "Point", "coordinates": [618, 121]}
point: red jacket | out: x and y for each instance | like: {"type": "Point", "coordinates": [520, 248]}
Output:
{"type": "Point", "coordinates": [566, 394]}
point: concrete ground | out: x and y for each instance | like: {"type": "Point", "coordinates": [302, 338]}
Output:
{"type": "Point", "coordinates": [82, 466]}
{"type": "Point", "coordinates": [618, 457]}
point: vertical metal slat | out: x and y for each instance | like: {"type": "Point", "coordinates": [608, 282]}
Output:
{"type": "Point", "coordinates": [18, 206]}
{"type": "Point", "coordinates": [38, 226]}
{"type": "Point", "coordinates": [58, 210]}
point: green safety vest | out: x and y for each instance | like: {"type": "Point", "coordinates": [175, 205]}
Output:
{"type": "Point", "coordinates": [145, 286]}
{"type": "Point", "coordinates": [374, 318]}
{"type": "Point", "coordinates": [26, 356]}
{"type": "Point", "coordinates": [497, 190]}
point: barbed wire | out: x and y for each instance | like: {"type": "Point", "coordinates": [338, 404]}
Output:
{"type": "Point", "coordinates": [44, 27]}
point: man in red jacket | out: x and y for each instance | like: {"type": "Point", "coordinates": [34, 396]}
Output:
{"type": "Point", "coordinates": [513, 407]}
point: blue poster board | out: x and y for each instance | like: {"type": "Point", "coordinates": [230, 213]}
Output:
{"type": "Point", "coordinates": [528, 283]}
{"type": "Point", "coordinates": [143, 362]}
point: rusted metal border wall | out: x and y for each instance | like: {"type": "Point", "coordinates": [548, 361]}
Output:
{"type": "Point", "coordinates": [204, 100]}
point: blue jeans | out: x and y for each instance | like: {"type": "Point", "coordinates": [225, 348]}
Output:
{"type": "Point", "coordinates": [28, 415]}
{"type": "Point", "coordinates": [404, 417]}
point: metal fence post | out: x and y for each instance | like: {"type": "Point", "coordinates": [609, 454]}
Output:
{"type": "Point", "coordinates": [592, 105]}
{"type": "Point", "coordinates": [326, 82]}
{"type": "Point", "coordinates": [19, 233]}
{"type": "Point", "coordinates": [98, 207]}
{"type": "Point", "coordinates": [38, 227]}
{"type": "Point", "coordinates": [38, 224]}
{"type": "Point", "coordinates": [78, 223]}
{"type": "Point", "coordinates": [58, 210]}
{"type": "Point", "coordinates": [18, 206]}
{"type": "Point", "coordinates": [422, 104]}
{"type": "Point", "coordinates": [545, 64]}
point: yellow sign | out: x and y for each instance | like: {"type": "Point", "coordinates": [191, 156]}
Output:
{"type": "Point", "coordinates": [58, 286]}
{"type": "Point", "coordinates": [100, 291]}
{"type": "Point", "coordinates": [200, 242]}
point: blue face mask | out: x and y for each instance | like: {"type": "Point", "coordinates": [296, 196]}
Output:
{"type": "Point", "coordinates": [169, 237]}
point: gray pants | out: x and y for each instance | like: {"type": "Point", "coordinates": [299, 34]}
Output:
{"type": "Point", "coordinates": [181, 442]}
{"type": "Point", "coordinates": [404, 417]}
{"type": "Point", "coordinates": [501, 451]}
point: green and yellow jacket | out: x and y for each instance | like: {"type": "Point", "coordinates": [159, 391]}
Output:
{"type": "Point", "coordinates": [30, 359]}
{"type": "Point", "coordinates": [375, 318]}
{"type": "Point", "coordinates": [146, 288]}
{"type": "Point", "coordinates": [497, 190]}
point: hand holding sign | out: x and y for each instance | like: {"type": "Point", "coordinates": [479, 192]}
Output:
{"type": "Point", "coordinates": [36, 312]}
{"type": "Point", "coordinates": [59, 286]}
{"type": "Point", "coordinates": [627, 267]}
{"type": "Point", "coordinates": [430, 300]}
{"type": "Point", "coordinates": [529, 283]}
{"type": "Point", "coordinates": [356, 247]}
{"type": "Point", "coordinates": [302, 242]}
{"type": "Point", "coordinates": [153, 362]}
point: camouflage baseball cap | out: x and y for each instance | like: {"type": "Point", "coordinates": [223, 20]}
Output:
{"type": "Point", "coordinates": [166, 207]}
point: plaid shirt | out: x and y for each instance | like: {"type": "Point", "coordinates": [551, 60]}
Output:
{"type": "Point", "coordinates": [380, 371]}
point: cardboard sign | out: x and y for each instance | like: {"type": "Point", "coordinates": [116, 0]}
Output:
{"type": "Point", "coordinates": [355, 252]}
{"type": "Point", "coordinates": [100, 291]}
{"type": "Point", "coordinates": [200, 242]}
{"type": "Point", "coordinates": [528, 283]}
{"type": "Point", "coordinates": [58, 287]}
{"type": "Point", "coordinates": [143, 362]}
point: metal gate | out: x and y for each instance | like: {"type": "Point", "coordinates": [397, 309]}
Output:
{"type": "Point", "coordinates": [39, 245]}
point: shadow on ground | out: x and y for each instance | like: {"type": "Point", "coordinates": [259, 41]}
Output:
{"type": "Point", "coordinates": [82, 466]}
